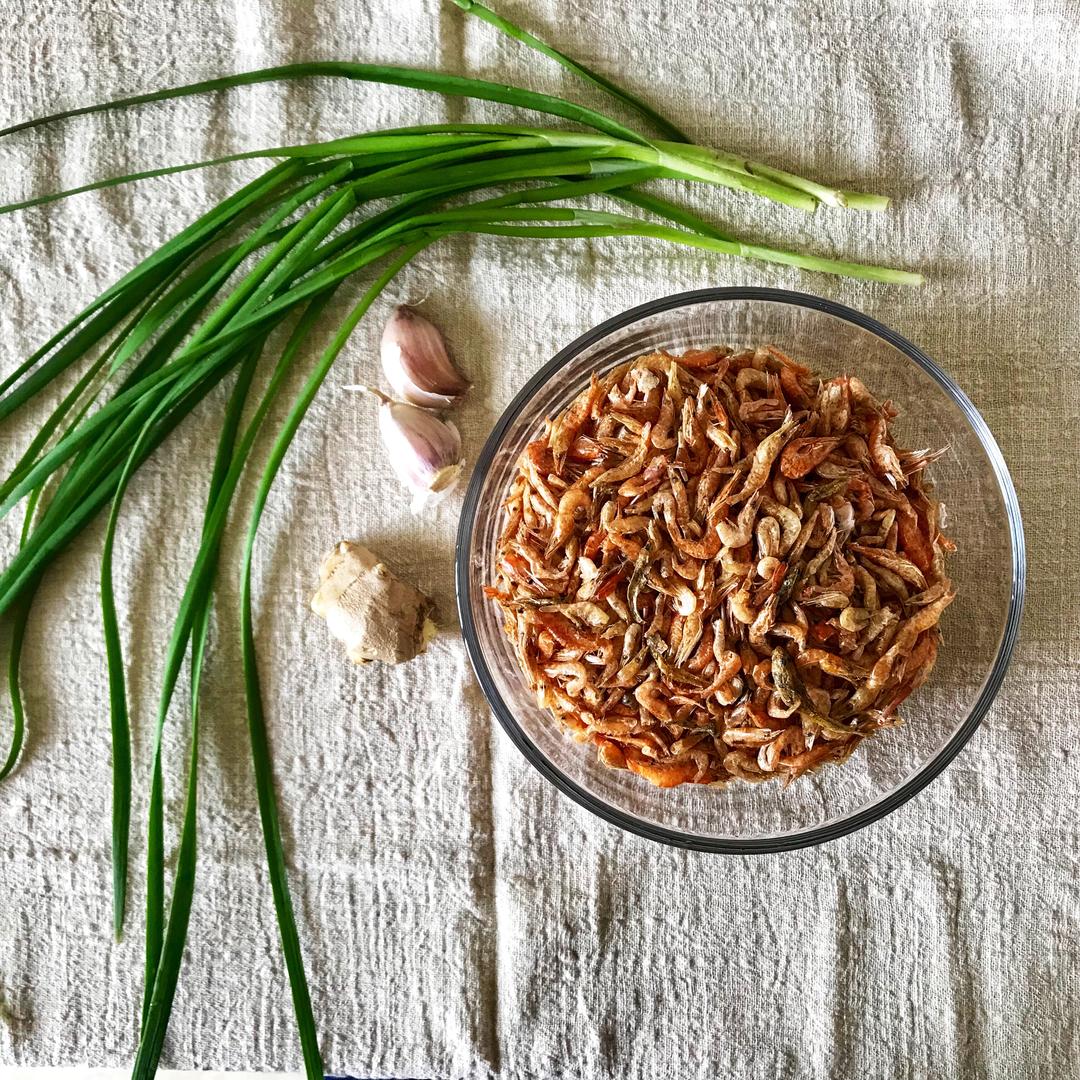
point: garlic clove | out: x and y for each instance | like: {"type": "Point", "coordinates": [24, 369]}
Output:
{"type": "Point", "coordinates": [425, 452]}
{"type": "Point", "coordinates": [416, 362]}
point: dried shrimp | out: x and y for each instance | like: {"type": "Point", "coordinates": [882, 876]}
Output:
{"type": "Point", "coordinates": [716, 566]}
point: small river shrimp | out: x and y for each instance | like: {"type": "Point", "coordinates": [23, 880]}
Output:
{"type": "Point", "coordinates": [565, 429]}
{"type": "Point", "coordinates": [790, 522]}
{"type": "Point", "coordinates": [647, 479]}
{"type": "Point", "coordinates": [688, 569]}
{"type": "Point", "coordinates": [748, 736]}
{"type": "Point", "coordinates": [791, 375]}
{"type": "Point", "coordinates": [575, 498]}
{"type": "Point", "coordinates": [575, 674]}
{"type": "Point", "coordinates": [802, 456]}
{"type": "Point", "coordinates": [536, 465]}
{"type": "Point", "coordinates": [913, 539]}
{"type": "Point", "coordinates": [735, 562]}
{"type": "Point", "coordinates": [824, 552]}
{"type": "Point", "coordinates": [891, 560]}
{"type": "Point", "coordinates": [768, 535]}
{"type": "Point", "coordinates": [888, 581]}
{"type": "Point", "coordinates": [913, 461]}
{"type": "Point", "coordinates": [740, 604]}
{"type": "Point", "coordinates": [663, 433]}
{"type": "Point", "coordinates": [705, 548]}
{"type": "Point", "coordinates": [661, 774]}
{"type": "Point", "coordinates": [764, 410]}
{"type": "Point", "coordinates": [633, 464]}
{"type": "Point", "coordinates": [845, 576]}
{"type": "Point", "coordinates": [929, 595]}
{"type": "Point", "coordinates": [791, 631]}
{"type": "Point", "coordinates": [765, 454]}
{"type": "Point", "coordinates": [751, 378]}
{"type": "Point", "coordinates": [740, 534]}
{"type": "Point", "coordinates": [628, 672]}
{"type": "Point", "coordinates": [906, 635]}
{"type": "Point", "coordinates": [789, 740]}
{"type": "Point", "coordinates": [834, 407]}
{"type": "Point", "coordinates": [920, 664]}
{"type": "Point", "coordinates": [762, 624]}
{"type": "Point", "coordinates": [886, 463]}
{"type": "Point", "coordinates": [771, 570]}
{"type": "Point", "coordinates": [832, 664]}
{"type": "Point", "coordinates": [823, 596]}
{"type": "Point", "coordinates": [651, 696]}
{"type": "Point", "coordinates": [844, 513]}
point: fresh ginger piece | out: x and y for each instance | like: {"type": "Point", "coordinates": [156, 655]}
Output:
{"type": "Point", "coordinates": [374, 614]}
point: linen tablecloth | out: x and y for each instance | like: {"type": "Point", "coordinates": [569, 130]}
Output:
{"type": "Point", "coordinates": [459, 917]}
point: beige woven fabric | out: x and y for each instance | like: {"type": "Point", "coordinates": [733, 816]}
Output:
{"type": "Point", "coordinates": [460, 918]}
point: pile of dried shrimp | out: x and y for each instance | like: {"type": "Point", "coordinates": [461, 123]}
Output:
{"type": "Point", "coordinates": [717, 566]}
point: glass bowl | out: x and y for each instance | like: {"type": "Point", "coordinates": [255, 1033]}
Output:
{"type": "Point", "coordinates": [979, 628]}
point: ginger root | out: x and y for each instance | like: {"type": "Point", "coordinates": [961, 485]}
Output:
{"type": "Point", "coordinates": [376, 615]}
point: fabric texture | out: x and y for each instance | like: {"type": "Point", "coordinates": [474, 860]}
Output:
{"type": "Point", "coordinates": [460, 918]}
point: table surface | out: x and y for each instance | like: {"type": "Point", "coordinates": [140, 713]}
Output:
{"type": "Point", "coordinates": [459, 917]}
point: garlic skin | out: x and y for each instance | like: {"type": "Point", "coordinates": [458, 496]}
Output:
{"type": "Point", "coordinates": [424, 451]}
{"type": "Point", "coordinates": [416, 362]}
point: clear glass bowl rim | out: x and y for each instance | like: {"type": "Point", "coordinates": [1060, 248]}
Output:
{"type": "Point", "coordinates": [829, 830]}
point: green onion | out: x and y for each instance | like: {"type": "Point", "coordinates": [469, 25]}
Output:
{"type": "Point", "coordinates": [587, 74]}
{"type": "Point", "coordinates": [415, 78]}
{"type": "Point", "coordinates": [18, 716]}
{"type": "Point", "coordinates": [200, 311]}
{"type": "Point", "coordinates": [167, 944]}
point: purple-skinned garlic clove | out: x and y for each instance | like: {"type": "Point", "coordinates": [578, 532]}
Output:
{"type": "Point", "coordinates": [424, 451]}
{"type": "Point", "coordinates": [416, 362]}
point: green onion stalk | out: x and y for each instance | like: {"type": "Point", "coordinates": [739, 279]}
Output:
{"type": "Point", "coordinates": [200, 310]}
